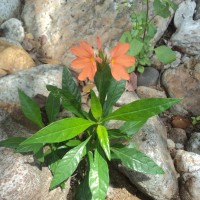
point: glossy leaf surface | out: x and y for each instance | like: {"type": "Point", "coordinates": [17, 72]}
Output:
{"type": "Point", "coordinates": [59, 131]}
{"type": "Point", "coordinates": [104, 140]}
{"type": "Point", "coordinates": [116, 89]}
{"type": "Point", "coordinates": [142, 109]}
{"type": "Point", "coordinates": [136, 160]}
{"type": "Point", "coordinates": [96, 107]}
{"type": "Point", "coordinates": [68, 164]}
{"type": "Point", "coordinates": [98, 176]}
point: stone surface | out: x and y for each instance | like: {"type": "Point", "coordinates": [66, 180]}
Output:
{"type": "Point", "coordinates": [32, 82]}
{"type": "Point", "coordinates": [186, 36]}
{"type": "Point", "coordinates": [147, 92]}
{"type": "Point", "coordinates": [65, 23]}
{"type": "Point", "coordinates": [184, 82]}
{"type": "Point", "coordinates": [9, 9]}
{"type": "Point", "coordinates": [152, 141]}
{"type": "Point", "coordinates": [176, 62]}
{"type": "Point", "coordinates": [148, 78]}
{"type": "Point", "coordinates": [13, 58]}
{"type": "Point", "coordinates": [193, 144]}
{"type": "Point", "coordinates": [127, 97]}
{"type": "Point", "coordinates": [188, 166]}
{"type": "Point", "coordinates": [13, 29]}
{"type": "Point", "coordinates": [178, 135]}
{"type": "Point", "coordinates": [21, 177]}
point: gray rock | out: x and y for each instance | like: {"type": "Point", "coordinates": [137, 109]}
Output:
{"type": "Point", "coordinates": [11, 41]}
{"type": "Point", "coordinates": [32, 82]}
{"type": "Point", "coordinates": [21, 177]}
{"type": "Point", "coordinates": [178, 135]}
{"type": "Point", "coordinates": [127, 97]}
{"type": "Point", "coordinates": [186, 36]}
{"type": "Point", "coordinates": [13, 29]}
{"type": "Point", "coordinates": [148, 78]}
{"type": "Point", "coordinates": [193, 144]}
{"type": "Point", "coordinates": [147, 92]}
{"type": "Point", "coordinates": [9, 9]}
{"type": "Point", "coordinates": [184, 82]}
{"type": "Point", "coordinates": [188, 165]}
{"type": "Point", "coordinates": [152, 141]}
{"type": "Point", "coordinates": [197, 13]}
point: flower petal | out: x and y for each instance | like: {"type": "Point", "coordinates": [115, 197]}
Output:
{"type": "Point", "coordinates": [119, 73]}
{"type": "Point", "coordinates": [99, 46]}
{"type": "Point", "coordinates": [124, 60]}
{"type": "Point", "coordinates": [87, 48]}
{"type": "Point", "coordinates": [120, 49]}
{"type": "Point", "coordinates": [80, 63]}
{"type": "Point", "coordinates": [87, 72]}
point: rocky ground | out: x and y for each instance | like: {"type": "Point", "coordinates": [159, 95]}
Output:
{"type": "Point", "coordinates": [35, 37]}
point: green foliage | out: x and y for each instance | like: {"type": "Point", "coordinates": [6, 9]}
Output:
{"type": "Point", "coordinates": [143, 31]}
{"type": "Point", "coordinates": [165, 54]}
{"type": "Point", "coordinates": [85, 138]}
{"type": "Point", "coordinates": [30, 109]}
{"type": "Point", "coordinates": [136, 160]}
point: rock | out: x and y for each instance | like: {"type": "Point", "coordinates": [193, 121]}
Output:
{"type": "Point", "coordinates": [152, 141]}
{"type": "Point", "coordinates": [186, 36]}
{"type": "Point", "coordinates": [148, 78]}
{"type": "Point", "coordinates": [170, 144]}
{"type": "Point", "coordinates": [13, 58]}
{"type": "Point", "coordinates": [79, 20]}
{"type": "Point", "coordinates": [197, 13]}
{"type": "Point", "coordinates": [73, 21]}
{"type": "Point", "coordinates": [20, 176]}
{"type": "Point", "coordinates": [147, 92]}
{"type": "Point", "coordinates": [184, 82]}
{"type": "Point", "coordinates": [176, 62]}
{"type": "Point", "coordinates": [188, 165]}
{"type": "Point", "coordinates": [193, 145]}
{"type": "Point", "coordinates": [9, 9]}
{"type": "Point", "coordinates": [178, 135]}
{"type": "Point", "coordinates": [13, 29]}
{"type": "Point", "coordinates": [179, 146]}
{"type": "Point", "coordinates": [127, 97]}
{"type": "Point", "coordinates": [32, 82]}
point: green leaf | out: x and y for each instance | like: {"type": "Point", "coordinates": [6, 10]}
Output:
{"type": "Point", "coordinates": [98, 176]}
{"type": "Point", "coordinates": [28, 147]}
{"type": "Point", "coordinates": [73, 143]}
{"type": "Point", "coordinates": [135, 47]}
{"type": "Point", "coordinates": [52, 107]}
{"type": "Point", "coordinates": [115, 91]}
{"type": "Point", "coordinates": [165, 54]}
{"type": "Point", "coordinates": [96, 107]}
{"type": "Point", "coordinates": [30, 109]}
{"type": "Point", "coordinates": [12, 142]}
{"type": "Point", "coordinates": [140, 69]}
{"type": "Point", "coordinates": [126, 37]}
{"type": "Point", "coordinates": [38, 152]}
{"type": "Point", "coordinates": [102, 81]}
{"type": "Point", "coordinates": [142, 109]}
{"type": "Point", "coordinates": [59, 131]}
{"type": "Point", "coordinates": [69, 86]}
{"type": "Point", "coordinates": [161, 9]}
{"type": "Point", "coordinates": [68, 164]}
{"type": "Point", "coordinates": [53, 160]}
{"type": "Point", "coordinates": [136, 160]}
{"type": "Point", "coordinates": [68, 100]}
{"type": "Point", "coordinates": [132, 127]}
{"type": "Point", "coordinates": [117, 134]}
{"type": "Point", "coordinates": [103, 139]}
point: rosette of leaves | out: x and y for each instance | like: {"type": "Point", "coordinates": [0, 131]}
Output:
{"type": "Point", "coordinates": [85, 136]}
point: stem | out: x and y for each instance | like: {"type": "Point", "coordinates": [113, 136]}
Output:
{"type": "Point", "coordinates": [146, 23]}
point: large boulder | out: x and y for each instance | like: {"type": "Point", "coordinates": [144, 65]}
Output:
{"type": "Point", "coordinates": [184, 82]}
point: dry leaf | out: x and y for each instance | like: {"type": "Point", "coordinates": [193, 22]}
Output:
{"type": "Point", "coordinates": [88, 87]}
{"type": "Point", "coordinates": [131, 85]}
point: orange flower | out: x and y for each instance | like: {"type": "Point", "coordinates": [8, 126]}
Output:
{"type": "Point", "coordinates": [120, 61]}
{"type": "Point", "coordinates": [85, 61]}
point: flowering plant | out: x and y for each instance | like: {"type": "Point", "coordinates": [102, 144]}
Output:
{"type": "Point", "coordinates": [85, 139]}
